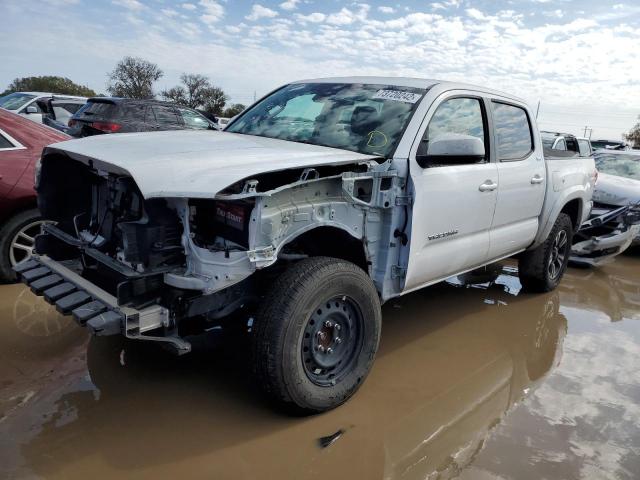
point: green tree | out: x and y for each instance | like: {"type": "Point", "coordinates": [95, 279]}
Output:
{"type": "Point", "coordinates": [49, 83]}
{"type": "Point", "coordinates": [634, 135]}
{"type": "Point", "coordinates": [133, 77]}
{"type": "Point", "coordinates": [233, 110]}
{"type": "Point", "coordinates": [196, 91]}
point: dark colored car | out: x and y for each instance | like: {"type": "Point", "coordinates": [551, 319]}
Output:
{"type": "Point", "coordinates": [121, 115]}
{"type": "Point", "coordinates": [21, 143]}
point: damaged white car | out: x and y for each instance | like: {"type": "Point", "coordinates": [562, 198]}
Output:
{"type": "Point", "coordinates": [317, 204]}
{"type": "Point", "coordinates": [614, 224]}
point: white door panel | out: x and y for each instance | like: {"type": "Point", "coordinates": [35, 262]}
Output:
{"type": "Point", "coordinates": [521, 176]}
{"type": "Point", "coordinates": [451, 209]}
{"type": "Point", "coordinates": [520, 197]}
{"type": "Point", "coordinates": [511, 238]}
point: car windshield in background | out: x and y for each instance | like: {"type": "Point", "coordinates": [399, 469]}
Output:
{"type": "Point", "coordinates": [15, 101]}
{"type": "Point", "coordinates": [362, 118]}
{"type": "Point", "coordinates": [620, 164]}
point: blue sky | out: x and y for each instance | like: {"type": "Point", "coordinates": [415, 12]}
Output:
{"type": "Point", "coordinates": [580, 59]}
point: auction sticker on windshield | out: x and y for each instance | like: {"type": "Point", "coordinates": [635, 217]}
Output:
{"type": "Point", "coordinates": [398, 96]}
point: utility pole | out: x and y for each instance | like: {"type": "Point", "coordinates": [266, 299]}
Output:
{"type": "Point", "coordinates": [537, 109]}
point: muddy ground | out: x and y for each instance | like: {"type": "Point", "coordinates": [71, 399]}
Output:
{"type": "Point", "coordinates": [476, 382]}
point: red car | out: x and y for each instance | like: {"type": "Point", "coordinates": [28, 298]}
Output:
{"type": "Point", "coordinates": [21, 143]}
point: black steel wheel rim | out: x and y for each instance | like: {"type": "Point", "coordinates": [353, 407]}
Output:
{"type": "Point", "coordinates": [332, 340]}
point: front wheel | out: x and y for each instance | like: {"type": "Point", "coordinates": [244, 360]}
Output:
{"type": "Point", "coordinates": [541, 269]}
{"type": "Point", "coordinates": [316, 335]}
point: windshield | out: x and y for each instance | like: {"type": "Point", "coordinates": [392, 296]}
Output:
{"type": "Point", "coordinates": [15, 101]}
{"type": "Point", "coordinates": [363, 118]}
{"type": "Point", "coordinates": [620, 164]}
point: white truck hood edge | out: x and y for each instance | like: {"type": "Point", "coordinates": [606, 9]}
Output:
{"type": "Point", "coordinates": [197, 164]}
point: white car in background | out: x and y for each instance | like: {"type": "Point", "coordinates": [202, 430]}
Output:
{"type": "Point", "coordinates": [34, 105]}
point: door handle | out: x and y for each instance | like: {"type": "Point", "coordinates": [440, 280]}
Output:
{"type": "Point", "coordinates": [488, 186]}
{"type": "Point", "coordinates": [536, 179]}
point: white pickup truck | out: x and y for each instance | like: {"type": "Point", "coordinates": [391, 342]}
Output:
{"type": "Point", "coordinates": [320, 202]}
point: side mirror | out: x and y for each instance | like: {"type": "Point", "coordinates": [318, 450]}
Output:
{"type": "Point", "coordinates": [31, 109]}
{"type": "Point", "coordinates": [453, 149]}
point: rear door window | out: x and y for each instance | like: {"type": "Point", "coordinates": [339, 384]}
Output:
{"type": "Point", "coordinates": [513, 131]}
{"type": "Point", "coordinates": [561, 145]}
{"type": "Point", "coordinates": [101, 110]}
{"type": "Point", "coordinates": [193, 119]}
{"type": "Point", "coordinates": [166, 117]}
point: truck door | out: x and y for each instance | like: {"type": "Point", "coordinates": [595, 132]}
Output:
{"type": "Point", "coordinates": [455, 196]}
{"type": "Point", "coordinates": [521, 176]}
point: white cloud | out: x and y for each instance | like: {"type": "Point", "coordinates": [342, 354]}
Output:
{"type": "Point", "coordinates": [385, 9]}
{"type": "Point", "coordinates": [213, 11]}
{"type": "Point", "coordinates": [189, 6]}
{"type": "Point", "coordinates": [346, 16]}
{"type": "Point", "coordinates": [258, 12]}
{"type": "Point", "coordinates": [475, 14]}
{"type": "Point", "coordinates": [169, 12]}
{"type": "Point", "coordinates": [312, 17]}
{"type": "Point", "coordinates": [289, 5]}
{"type": "Point", "coordinates": [553, 13]}
{"type": "Point", "coordinates": [134, 5]}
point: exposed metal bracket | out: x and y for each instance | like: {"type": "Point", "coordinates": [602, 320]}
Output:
{"type": "Point", "coordinates": [398, 272]}
{"type": "Point", "coordinates": [404, 200]}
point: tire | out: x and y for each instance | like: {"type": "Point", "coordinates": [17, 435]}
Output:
{"type": "Point", "coordinates": [315, 337]}
{"type": "Point", "coordinates": [541, 269]}
{"type": "Point", "coordinates": [27, 222]}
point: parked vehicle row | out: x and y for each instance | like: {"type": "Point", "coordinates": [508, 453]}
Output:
{"type": "Point", "coordinates": [313, 207]}
{"type": "Point", "coordinates": [80, 117]}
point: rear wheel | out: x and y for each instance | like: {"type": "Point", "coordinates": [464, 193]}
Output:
{"type": "Point", "coordinates": [17, 240]}
{"type": "Point", "coordinates": [316, 335]}
{"type": "Point", "coordinates": [541, 269]}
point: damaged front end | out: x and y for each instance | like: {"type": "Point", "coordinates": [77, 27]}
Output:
{"type": "Point", "coordinates": [609, 231]}
{"type": "Point", "coordinates": [162, 269]}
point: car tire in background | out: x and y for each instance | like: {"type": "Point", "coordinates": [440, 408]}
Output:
{"type": "Point", "coordinates": [17, 239]}
{"type": "Point", "coordinates": [541, 269]}
{"type": "Point", "coordinates": [316, 335]}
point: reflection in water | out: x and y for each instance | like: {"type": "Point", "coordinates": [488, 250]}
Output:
{"type": "Point", "coordinates": [464, 374]}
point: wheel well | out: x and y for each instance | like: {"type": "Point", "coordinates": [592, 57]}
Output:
{"type": "Point", "coordinates": [329, 242]}
{"type": "Point", "coordinates": [573, 208]}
